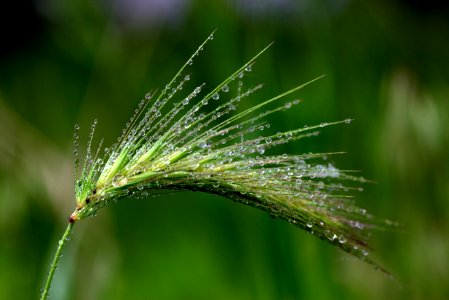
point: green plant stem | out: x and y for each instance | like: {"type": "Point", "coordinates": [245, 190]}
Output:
{"type": "Point", "coordinates": [54, 264]}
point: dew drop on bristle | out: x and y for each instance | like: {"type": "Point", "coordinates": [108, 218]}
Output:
{"type": "Point", "coordinates": [332, 236]}
{"type": "Point", "coordinates": [197, 90]}
{"type": "Point", "coordinates": [119, 181]}
{"type": "Point", "coordinates": [342, 240]}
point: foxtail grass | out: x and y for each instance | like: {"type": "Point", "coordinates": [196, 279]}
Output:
{"type": "Point", "coordinates": [199, 141]}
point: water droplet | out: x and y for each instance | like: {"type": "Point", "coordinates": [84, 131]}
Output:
{"type": "Point", "coordinates": [260, 149]}
{"type": "Point", "coordinates": [203, 145]}
{"type": "Point", "coordinates": [216, 96]}
{"type": "Point", "coordinates": [119, 180]}
{"type": "Point", "coordinates": [348, 121]}
{"type": "Point", "coordinates": [332, 237]}
{"type": "Point", "coordinates": [190, 62]}
{"type": "Point", "coordinates": [187, 77]}
{"type": "Point", "coordinates": [225, 88]}
{"type": "Point", "coordinates": [148, 96]}
{"type": "Point", "coordinates": [248, 68]}
{"type": "Point", "coordinates": [309, 225]}
{"type": "Point", "coordinates": [323, 124]}
{"type": "Point", "coordinates": [287, 105]}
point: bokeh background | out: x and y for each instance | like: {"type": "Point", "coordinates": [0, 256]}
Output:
{"type": "Point", "coordinates": [67, 62]}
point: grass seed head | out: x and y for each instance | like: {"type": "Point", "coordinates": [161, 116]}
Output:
{"type": "Point", "coordinates": [199, 142]}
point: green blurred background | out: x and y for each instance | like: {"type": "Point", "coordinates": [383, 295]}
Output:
{"type": "Point", "coordinates": [67, 62]}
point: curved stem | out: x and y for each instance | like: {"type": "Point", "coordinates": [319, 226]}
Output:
{"type": "Point", "coordinates": [55, 262]}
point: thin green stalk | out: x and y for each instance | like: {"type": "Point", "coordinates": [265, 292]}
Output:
{"type": "Point", "coordinates": [54, 264]}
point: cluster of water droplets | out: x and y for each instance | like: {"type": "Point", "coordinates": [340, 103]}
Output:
{"type": "Point", "coordinates": [198, 141]}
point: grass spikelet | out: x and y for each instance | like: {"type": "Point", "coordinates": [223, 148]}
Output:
{"type": "Point", "coordinates": [196, 142]}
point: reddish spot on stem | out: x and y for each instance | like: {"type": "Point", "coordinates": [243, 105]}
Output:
{"type": "Point", "coordinates": [73, 218]}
